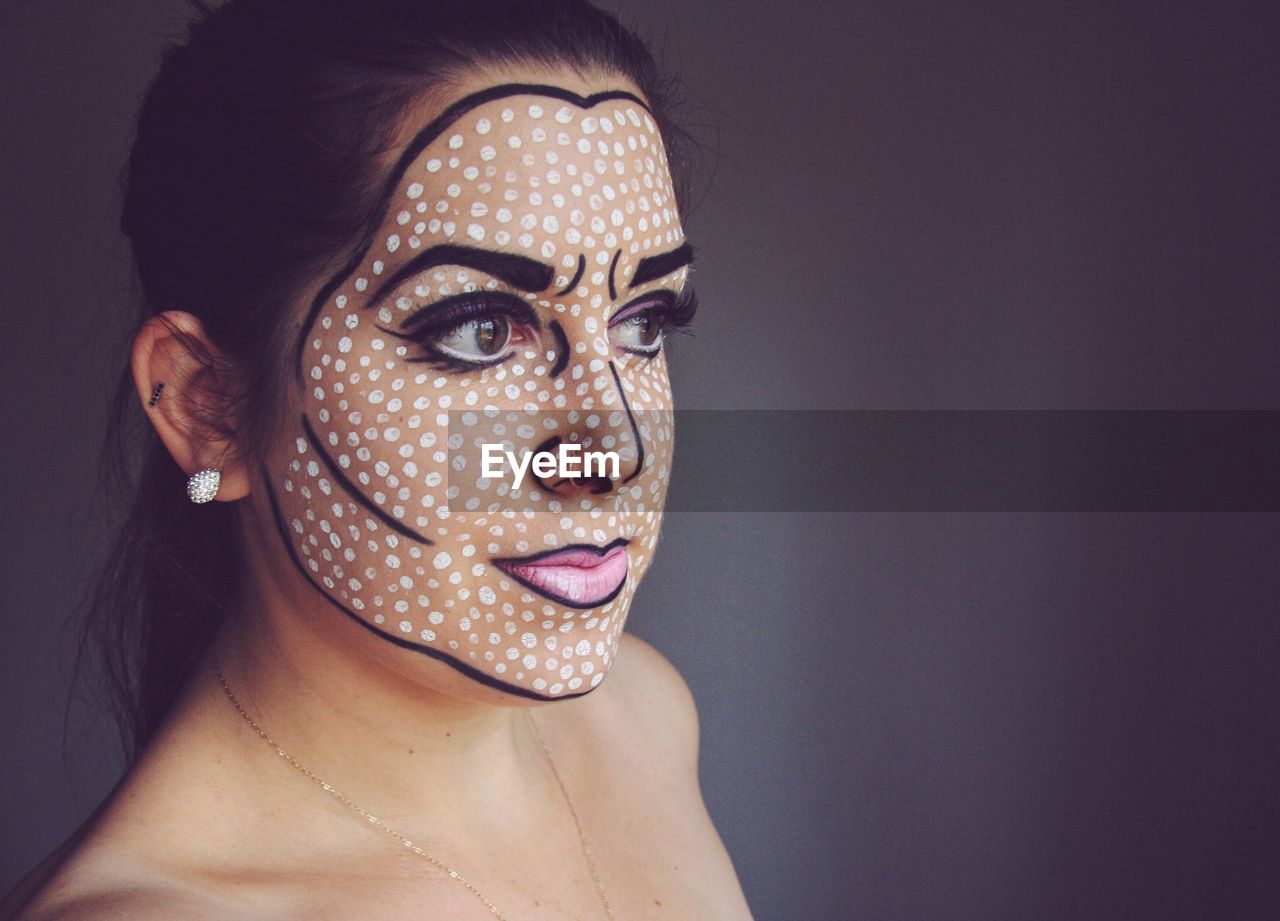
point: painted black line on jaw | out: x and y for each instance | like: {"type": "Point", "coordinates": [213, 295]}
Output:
{"type": "Point", "coordinates": [420, 141]}
{"type": "Point", "coordinates": [577, 276]}
{"type": "Point", "coordinates": [562, 348]}
{"type": "Point", "coordinates": [395, 524]}
{"type": "Point", "coordinates": [469, 670]}
{"type": "Point", "coordinates": [503, 562]}
{"type": "Point", "coordinates": [635, 429]}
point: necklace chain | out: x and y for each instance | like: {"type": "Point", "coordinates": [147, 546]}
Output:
{"type": "Point", "coordinates": [374, 820]}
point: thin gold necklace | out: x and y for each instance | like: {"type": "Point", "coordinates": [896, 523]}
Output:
{"type": "Point", "coordinates": [453, 874]}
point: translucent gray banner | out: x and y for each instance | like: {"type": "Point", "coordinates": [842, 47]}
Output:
{"type": "Point", "coordinates": [886, 460]}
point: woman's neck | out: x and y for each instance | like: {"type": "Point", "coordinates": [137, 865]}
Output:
{"type": "Point", "coordinates": [366, 716]}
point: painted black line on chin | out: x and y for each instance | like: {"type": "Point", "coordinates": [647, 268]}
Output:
{"type": "Point", "coordinates": [635, 429]}
{"type": "Point", "coordinates": [393, 523]}
{"type": "Point", "coordinates": [420, 141]}
{"type": "Point", "coordinates": [469, 670]}
{"type": "Point", "coordinates": [562, 348]}
{"type": "Point", "coordinates": [577, 277]}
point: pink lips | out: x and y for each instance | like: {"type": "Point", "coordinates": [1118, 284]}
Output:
{"type": "Point", "coordinates": [580, 577]}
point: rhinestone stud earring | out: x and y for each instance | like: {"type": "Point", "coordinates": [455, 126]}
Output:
{"type": "Point", "coordinates": [203, 486]}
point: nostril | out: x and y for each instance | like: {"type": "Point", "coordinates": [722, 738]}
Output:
{"type": "Point", "coordinates": [595, 483]}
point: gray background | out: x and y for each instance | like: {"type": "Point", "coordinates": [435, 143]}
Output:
{"type": "Point", "coordinates": [905, 206]}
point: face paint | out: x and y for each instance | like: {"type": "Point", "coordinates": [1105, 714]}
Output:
{"type": "Point", "coordinates": [530, 248]}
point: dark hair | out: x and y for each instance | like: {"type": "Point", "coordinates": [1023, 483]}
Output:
{"type": "Point", "coordinates": [255, 167]}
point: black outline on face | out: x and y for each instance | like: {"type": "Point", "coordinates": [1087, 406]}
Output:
{"type": "Point", "coordinates": [502, 562]}
{"type": "Point", "coordinates": [419, 143]}
{"type": "Point", "coordinates": [415, 147]}
{"type": "Point", "coordinates": [452, 661]}
{"type": "Point", "coordinates": [358, 494]}
{"type": "Point", "coordinates": [635, 429]}
{"type": "Point", "coordinates": [613, 267]}
{"type": "Point", "coordinates": [562, 348]}
{"type": "Point", "coordinates": [577, 276]}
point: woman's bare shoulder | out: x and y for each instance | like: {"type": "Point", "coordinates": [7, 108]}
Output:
{"type": "Point", "coordinates": [141, 903]}
{"type": "Point", "coordinates": [654, 684]}
{"type": "Point", "coordinates": [94, 876]}
{"type": "Point", "coordinates": [645, 703]}
{"type": "Point", "coordinates": [76, 887]}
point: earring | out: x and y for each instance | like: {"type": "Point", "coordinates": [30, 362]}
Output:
{"type": "Point", "coordinates": [155, 394]}
{"type": "Point", "coordinates": [203, 486]}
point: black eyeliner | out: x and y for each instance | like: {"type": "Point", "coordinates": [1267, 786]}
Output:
{"type": "Point", "coordinates": [435, 320]}
{"type": "Point", "coordinates": [458, 308]}
{"type": "Point", "coordinates": [675, 310]}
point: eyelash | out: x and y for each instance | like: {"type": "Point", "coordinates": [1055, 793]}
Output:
{"type": "Point", "coordinates": [452, 313]}
{"type": "Point", "coordinates": [676, 311]}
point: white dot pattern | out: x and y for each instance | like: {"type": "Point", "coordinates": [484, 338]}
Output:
{"type": "Point", "coordinates": [364, 490]}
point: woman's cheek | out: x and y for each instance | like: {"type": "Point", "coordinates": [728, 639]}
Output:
{"type": "Point", "coordinates": [342, 502]}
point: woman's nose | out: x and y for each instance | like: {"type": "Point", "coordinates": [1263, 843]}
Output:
{"type": "Point", "coordinates": [607, 439]}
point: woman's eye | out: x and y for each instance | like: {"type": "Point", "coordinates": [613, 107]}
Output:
{"type": "Point", "coordinates": [468, 332]}
{"type": "Point", "coordinates": [642, 325]}
{"type": "Point", "coordinates": [641, 332]}
{"type": "Point", "coordinates": [476, 340]}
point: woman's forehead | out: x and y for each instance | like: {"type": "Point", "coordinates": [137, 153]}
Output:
{"type": "Point", "coordinates": [551, 178]}
{"type": "Point", "coordinates": [577, 189]}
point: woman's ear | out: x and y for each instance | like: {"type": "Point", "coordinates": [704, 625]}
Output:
{"type": "Point", "coordinates": [193, 412]}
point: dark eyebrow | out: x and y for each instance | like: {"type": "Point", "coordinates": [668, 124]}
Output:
{"type": "Point", "coordinates": [652, 267]}
{"type": "Point", "coordinates": [520, 272]}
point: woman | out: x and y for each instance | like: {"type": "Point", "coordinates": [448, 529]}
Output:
{"type": "Point", "coordinates": [362, 679]}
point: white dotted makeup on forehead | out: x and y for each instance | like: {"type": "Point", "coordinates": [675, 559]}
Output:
{"type": "Point", "coordinates": [529, 258]}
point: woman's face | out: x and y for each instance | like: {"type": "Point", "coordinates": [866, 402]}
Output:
{"type": "Point", "coordinates": [529, 256]}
